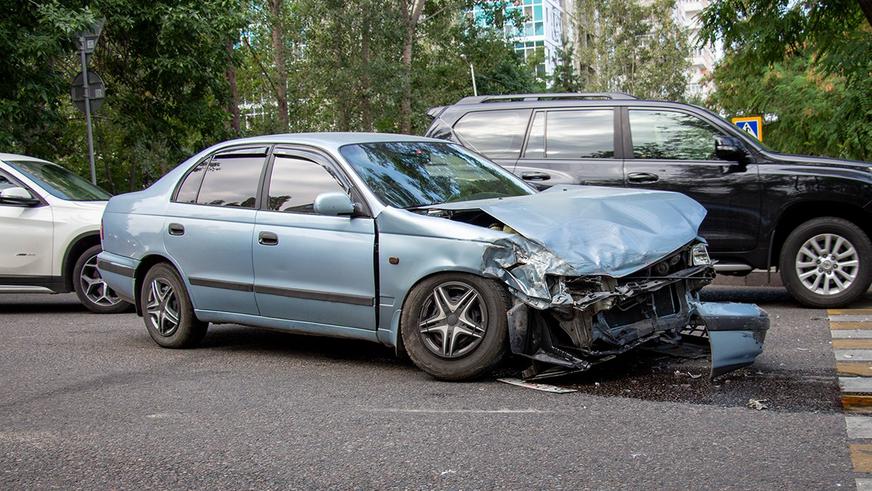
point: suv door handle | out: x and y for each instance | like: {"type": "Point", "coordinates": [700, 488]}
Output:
{"type": "Point", "coordinates": [267, 239]}
{"type": "Point", "coordinates": [642, 177]}
{"type": "Point", "coordinates": [535, 176]}
{"type": "Point", "coordinates": [176, 229]}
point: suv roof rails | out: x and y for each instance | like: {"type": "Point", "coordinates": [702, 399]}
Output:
{"type": "Point", "coordinates": [546, 97]}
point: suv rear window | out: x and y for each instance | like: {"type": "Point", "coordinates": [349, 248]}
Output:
{"type": "Point", "coordinates": [495, 134]}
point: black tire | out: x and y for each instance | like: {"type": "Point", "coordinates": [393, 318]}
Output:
{"type": "Point", "coordinates": [172, 298]}
{"type": "Point", "coordinates": [826, 266]}
{"type": "Point", "coordinates": [95, 295]}
{"type": "Point", "coordinates": [472, 357]}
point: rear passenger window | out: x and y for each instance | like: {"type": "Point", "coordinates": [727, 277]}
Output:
{"type": "Point", "coordinates": [536, 142]}
{"type": "Point", "coordinates": [496, 134]}
{"type": "Point", "coordinates": [191, 186]}
{"type": "Point", "coordinates": [583, 134]}
{"type": "Point", "coordinates": [295, 183]}
{"type": "Point", "coordinates": [231, 181]}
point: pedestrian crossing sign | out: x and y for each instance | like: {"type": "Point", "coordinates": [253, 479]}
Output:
{"type": "Point", "coordinates": [751, 124]}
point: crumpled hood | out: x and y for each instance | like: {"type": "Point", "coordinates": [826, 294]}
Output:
{"type": "Point", "coordinates": [600, 230]}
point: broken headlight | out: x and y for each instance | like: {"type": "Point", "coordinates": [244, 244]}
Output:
{"type": "Point", "coordinates": [699, 255]}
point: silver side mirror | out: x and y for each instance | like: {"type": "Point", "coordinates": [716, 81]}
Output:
{"type": "Point", "coordinates": [334, 204]}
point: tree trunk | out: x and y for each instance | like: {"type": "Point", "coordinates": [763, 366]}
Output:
{"type": "Point", "coordinates": [278, 45]}
{"type": "Point", "coordinates": [412, 14]}
{"type": "Point", "coordinates": [233, 102]}
{"type": "Point", "coordinates": [365, 92]}
{"type": "Point", "coordinates": [866, 7]}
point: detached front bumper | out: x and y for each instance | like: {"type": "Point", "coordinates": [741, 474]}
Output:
{"type": "Point", "coordinates": [736, 332]}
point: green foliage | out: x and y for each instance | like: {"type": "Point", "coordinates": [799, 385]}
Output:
{"type": "Point", "coordinates": [344, 64]}
{"type": "Point", "coordinates": [34, 43]}
{"type": "Point", "coordinates": [806, 65]}
{"type": "Point", "coordinates": [628, 46]}
{"type": "Point", "coordinates": [564, 78]}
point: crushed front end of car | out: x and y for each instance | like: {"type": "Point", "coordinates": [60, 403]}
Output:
{"type": "Point", "coordinates": [596, 272]}
{"type": "Point", "coordinates": [592, 319]}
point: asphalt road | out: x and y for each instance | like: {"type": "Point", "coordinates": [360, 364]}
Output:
{"type": "Point", "coordinates": [89, 401]}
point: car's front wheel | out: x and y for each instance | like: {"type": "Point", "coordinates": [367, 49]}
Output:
{"type": "Point", "coordinates": [167, 309]}
{"type": "Point", "coordinates": [89, 286]}
{"type": "Point", "coordinates": [825, 262]}
{"type": "Point", "coordinates": [454, 325]}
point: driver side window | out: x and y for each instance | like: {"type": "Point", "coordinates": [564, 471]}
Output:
{"type": "Point", "coordinates": [668, 135]}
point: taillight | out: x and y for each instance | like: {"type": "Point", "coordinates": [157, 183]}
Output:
{"type": "Point", "coordinates": [101, 230]}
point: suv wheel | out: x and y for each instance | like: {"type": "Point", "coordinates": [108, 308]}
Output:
{"type": "Point", "coordinates": [167, 309]}
{"type": "Point", "coordinates": [92, 291]}
{"type": "Point", "coordinates": [454, 325]}
{"type": "Point", "coordinates": [825, 262]}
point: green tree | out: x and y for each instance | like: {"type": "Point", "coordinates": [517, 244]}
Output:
{"type": "Point", "coordinates": [564, 77]}
{"type": "Point", "coordinates": [805, 64]}
{"type": "Point", "coordinates": [35, 73]}
{"type": "Point", "coordinates": [640, 50]}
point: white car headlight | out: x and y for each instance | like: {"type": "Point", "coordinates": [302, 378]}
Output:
{"type": "Point", "coordinates": [699, 255]}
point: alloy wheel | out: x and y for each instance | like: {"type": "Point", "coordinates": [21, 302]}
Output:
{"type": "Point", "coordinates": [94, 287]}
{"type": "Point", "coordinates": [162, 307]}
{"type": "Point", "coordinates": [827, 264]}
{"type": "Point", "coordinates": [453, 320]}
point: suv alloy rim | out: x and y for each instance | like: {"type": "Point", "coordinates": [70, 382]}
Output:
{"type": "Point", "coordinates": [94, 287]}
{"type": "Point", "coordinates": [162, 307]}
{"type": "Point", "coordinates": [827, 264]}
{"type": "Point", "coordinates": [453, 320]}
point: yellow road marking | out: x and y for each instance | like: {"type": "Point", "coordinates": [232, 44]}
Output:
{"type": "Point", "coordinates": [861, 455]}
{"type": "Point", "coordinates": [843, 343]}
{"type": "Point", "coordinates": [854, 403]}
{"type": "Point", "coordinates": [851, 325]}
{"type": "Point", "coordinates": [849, 311]}
{"type": "Point", "coordinates": [856, 368]}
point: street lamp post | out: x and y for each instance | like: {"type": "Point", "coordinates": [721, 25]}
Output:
{"type": "Point", "coordinates": [471, 74]}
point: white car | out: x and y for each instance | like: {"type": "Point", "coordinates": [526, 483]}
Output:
{"type": "Point", "coordinates": [50, 232]}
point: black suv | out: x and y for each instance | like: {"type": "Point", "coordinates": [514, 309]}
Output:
{"type": "Point", "coordinates": [807, 216]}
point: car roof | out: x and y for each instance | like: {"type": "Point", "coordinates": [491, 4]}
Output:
{"type": "Point", "coordinates": [14, 156]}
{"type": "Point", "coordinates": [330, 140]}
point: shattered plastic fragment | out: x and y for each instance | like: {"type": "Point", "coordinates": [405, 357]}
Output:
{"type": "Point", "coordinates": [531, 385]}
{"type": "Point", "coordinates": [758, 404]}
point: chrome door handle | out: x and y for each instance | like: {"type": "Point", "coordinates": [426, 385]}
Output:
{"type": "Point", "coordinates": [535, 176]}
{"type": "Point", "coordinates": [642, 177]}
{"type": "Point", "coordinates": [176, 229]}
{"type": "Point", "coordinates": [267, 239]}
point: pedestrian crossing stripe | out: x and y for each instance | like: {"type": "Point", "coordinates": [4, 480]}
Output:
{"type": "Point", "coordinates": [853, 353]}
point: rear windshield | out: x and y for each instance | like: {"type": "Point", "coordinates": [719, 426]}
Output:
{"type": "Point", "coordinates": [59, 182]}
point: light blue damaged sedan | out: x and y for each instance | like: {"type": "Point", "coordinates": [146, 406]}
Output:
{"type": "Point", "coordinates": [421, 245]}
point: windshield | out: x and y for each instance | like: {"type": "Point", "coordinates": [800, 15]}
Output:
{"type": "Point", "coordinates": [414, 174]}
{"type": "Point", "coordinates": [60, 182]}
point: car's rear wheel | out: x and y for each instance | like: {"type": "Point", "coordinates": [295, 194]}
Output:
{"type": "Point", "coordinates": [89, 286]}
{"type": "Point", "coordinates": [167, 309]}
{"type": "Point", "coordinates": [825, 262]}
{"type": "Point", "coordinates": [454, 325]}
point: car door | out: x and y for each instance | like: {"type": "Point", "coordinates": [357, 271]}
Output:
{"type": "Point", "coordinates": [572, 146]}
{"type": "Point", "coordinates": [313, 269]}
{"type": "Point", "coordinates": [209, 226]}
{"type": "Point", "coordinates": [27, 231]}
{"type": "Point", "coordinates": [674, 150]}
